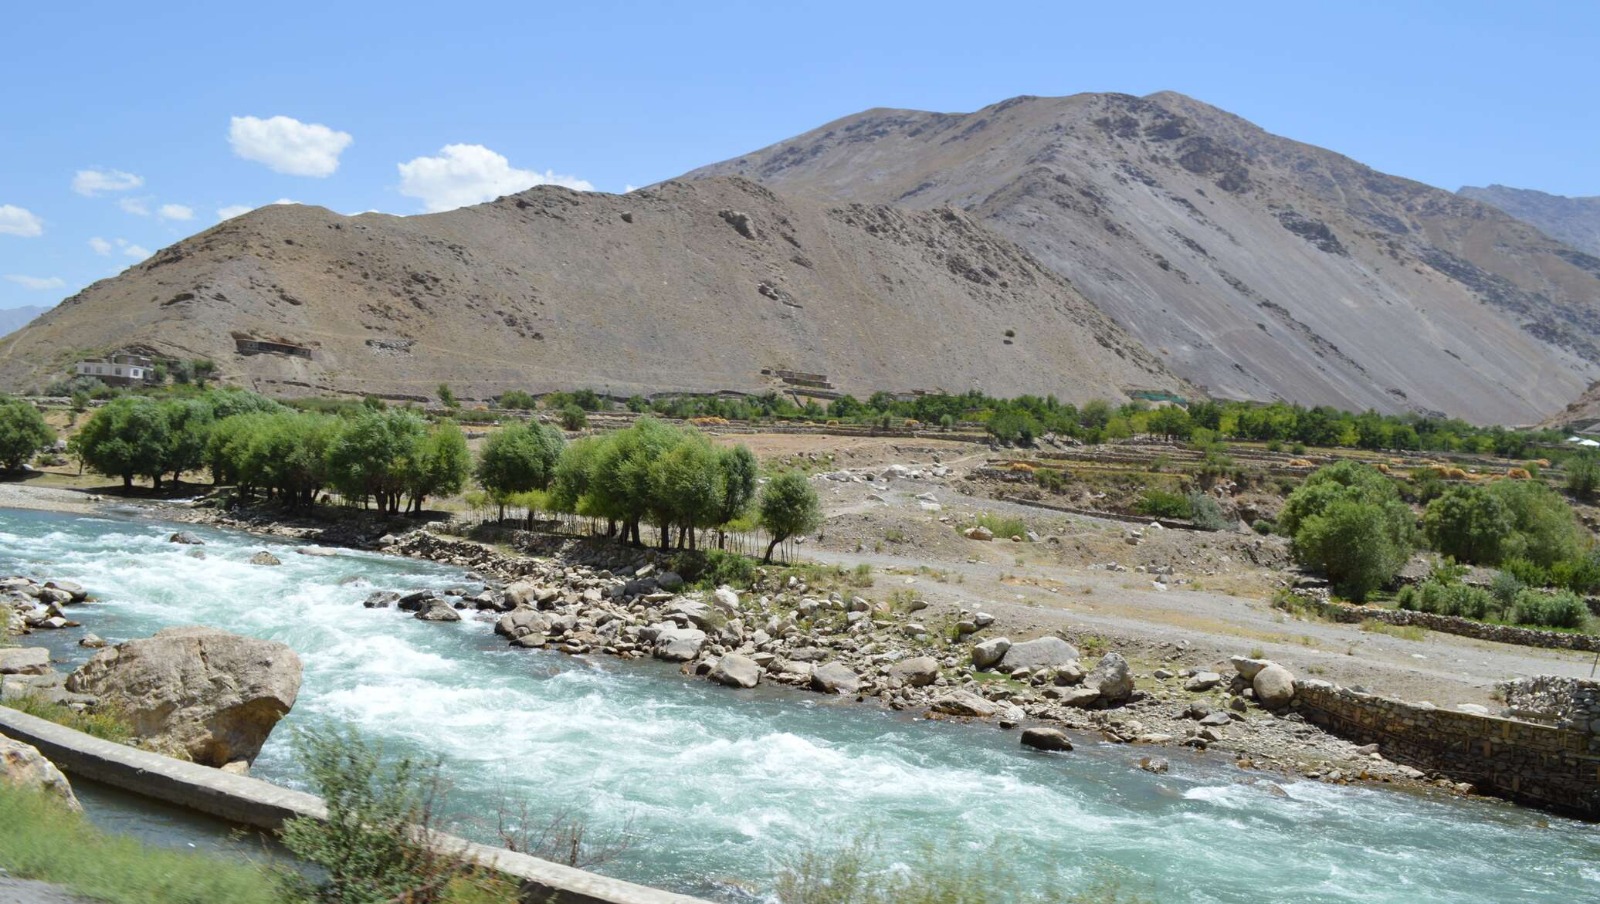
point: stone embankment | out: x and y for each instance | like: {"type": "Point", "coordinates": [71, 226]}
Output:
{"type": "Point", "coordinates": [592, 598]}
{"type": "Point", "coordinates": [1548, 766]}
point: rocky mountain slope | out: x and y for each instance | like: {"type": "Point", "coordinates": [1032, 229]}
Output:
{"type": "Point", "coordinates": [1254, 265]}
{"type": "Point", "coordinates": [1575, 221]}
{"type": "Point", "coordinates": [702, 286]}
{"type": "Point", "coordinates": [13, 319]}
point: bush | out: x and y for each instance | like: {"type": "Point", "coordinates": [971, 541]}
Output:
{"type": "Point", "coordinates": [1159, 503]}
{"type": "Point", "coordinates": [23, 433]}
{"type": "Point", "coordinates": [574, 418]}
{"type": "Point", "coordinates": [1002, 527]}
{"type": "Point", "coordinates": [1468, 524]}
{"type": "Point", "coordinates": [1544, 529]}
{"type": "Point", "coordinates": [379, 843]}
{"type": "Point", "coordinates": [1583, 475]}
{"type": "Point", "coordinates": [1550, 610]}
{"type": "Point", "coordinates": [1348, 522]}
{"type": "Point", "coordinates": [1504, 588]}
{"type": "Point", "coordinates": [1263, 527]}
{"type": "Point", "coordinates": [1206, 512]}
{"type": "Point", "coordinates": [517, 400]}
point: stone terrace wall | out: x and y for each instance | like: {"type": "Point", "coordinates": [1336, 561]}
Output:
{"type": "Point", "coordinates": [1466, 627]}
{"type": "Point", "coordinates": [1544, 766]}
{"type": "Point", "coordinates": [1573, 702]}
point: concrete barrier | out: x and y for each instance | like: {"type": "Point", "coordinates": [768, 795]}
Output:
{"type": "Point", "coordinates": [253, 802]}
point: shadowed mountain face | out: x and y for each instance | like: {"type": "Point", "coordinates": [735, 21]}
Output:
{"type": "Point", "coordinates": [1575, 221]}
{"type": "Point", "coordinates": [689, 287]}
{"type": "Point", "coordinates": [13, 319]}
{"type": "Point", "coordinates": [1256, 266]}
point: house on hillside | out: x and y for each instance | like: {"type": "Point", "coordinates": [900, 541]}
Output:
{"type": "Point", "coordinates": [121, 369]}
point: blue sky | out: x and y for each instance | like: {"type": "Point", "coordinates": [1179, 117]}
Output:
{"type": "Point", "coordinates": [130, 126]}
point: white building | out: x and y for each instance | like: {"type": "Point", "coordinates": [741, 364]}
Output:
{"type": "Point", "coordinates": [119, 370]}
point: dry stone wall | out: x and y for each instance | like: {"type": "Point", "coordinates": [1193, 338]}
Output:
{"type": "Point", "coordinates": [1546, 766]}
{"type": "Point", "coordinates": [1466, 627]}
{"type": "Point", "coordinates": [1572, 703]}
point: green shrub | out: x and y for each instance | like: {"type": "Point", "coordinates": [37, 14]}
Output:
{"type": "Point", "coordinates": [1159, 503]}
{"type": "Point", "coordinates": [1580, 575]}
{"type": "Point", "coordinates": [1583, 475]}
{"type": "Point", "coordinates": [574, 417]}
{"type": "Point", "coordinates": [712, 568]}
{"type": "Point", "coordinates": [1468, 524]}
{"type": "Point", "coordinates": [1001, 526]}
{"type": "Point", "coordinates": [1348, 522]}
{"type": "Point", "coordinates": [1441, 598]}
{"type": "Point", "coordinates": [1263, 527]}
{"type": "Point", "coordinates": [1505, 588]}
{"type": "Point", "coordinates": [104, 721]}
{"type": "Point", "coordinates": [517, 400]}
{"type": "Point", "coordinates": [1550, 610]}
{"type": "Point", "coordinates": [1544, 528]}
{"type": "Point", "coordinates": [1206, 512]}
{"type": "Point", "coordinates": [1527, 572]}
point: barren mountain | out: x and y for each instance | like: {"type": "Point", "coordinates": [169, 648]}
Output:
{"type": "Point", "coordinates": [703, 286]}
{"type": "Point", "coordinates": [1575, 221]}
{"type": "Point", "coordinates": [1256, 266]}
{"type": "Point", "coordinates": [13, 319]}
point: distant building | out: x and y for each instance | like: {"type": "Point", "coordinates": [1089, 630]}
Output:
{"type": "Point", "coordinates": [119, 369]}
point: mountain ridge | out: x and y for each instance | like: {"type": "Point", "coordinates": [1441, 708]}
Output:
{"type": "Point", "coordinates": [694, 287]}
{"type": "Point", "coordinates": [1257, 266]}
{"type": "Point", "coordinates": [1575, 221]}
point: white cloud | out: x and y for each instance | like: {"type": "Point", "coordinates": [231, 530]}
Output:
{"type": "Point", "coordinates": [288, 145]}
{"type": "Point", "coordinates": [139, 207]}
{"type": "Point", "coordinates": [137, 252]}
{"type": "Point", "coordinates": [233, 210]}
{"type": "Point", "coordinates": [91, 182]}
{"type": "Point", "coordinates": [17, 221]}
{"type": "Point", "coordinates": [628, 187]}
{"type": "Point", "coordinates": [465, 174]}
{"type": "Point", "coordinates": [175, 212]}
{"type": "Point", "coordinates": [37, 283]}
{"type": "Point", "coordinates": [100, 246]}
{"type": "Point", "coordinates": [285, 201]}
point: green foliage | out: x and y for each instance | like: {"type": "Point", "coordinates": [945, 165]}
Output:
{"type": "Point", "coordinates": [1206, 512]}
{"type": "Point", "coordinates": [713, 568]}
{"type": "Point", "coordinates": [447, 397]}
{"type": "Point", "coordinates": [1562, 609]}
{"type": "Point", "coordinates": [519, 458]}
{"type": "Point", "coordinates": [1544, 529]}
{"type": "Point", "coordinates": [1012, 425]}
{"type": "Point", "coordinates": [1469, 524]}
{"type": "Point", "coordinates": [1159, 503]}
{"type": "Point", "coordinates": [371, 458]}
{"type": "Point", "coordinates": [789, 506]}
{"type": "Point", "coordinates": [585, 399]}
{"type": "Point", "coordinates": [126, 438]}
{"type": "Point", "coordinates": [517, 400]}
{"type": "Point", "coordinates": [40, 839]}
{"type": "Point", "coordinates": [1348, 522]}
{"type": "Point", "coordinates": [1442, 598]}
{"type": "Point", "coordinates": [23, 433]}
{"type": "Point", "coordinates": [104, 721]}
{"type": "Point", "coordinates": [1583, 475]}
{"type": "Point", "coordinates": [374, 846]}
{"type": "Point", "coordinates": [573, 417]}
{"type": "Point", "coordinates": [1001, 526]}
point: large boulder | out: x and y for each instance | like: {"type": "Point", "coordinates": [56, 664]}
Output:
{"type": "Point", "coordinates": [964, 703]}
{"type": "Point", "coordinates": [735, 670]}
{"type": "Point", "coordinates": [989, 653]}
{"type": "Point", "coordinates": [918, 671]}
{"type": "Point", "coordinates": [522, 622]}
{"type": "Point", "coordinates": [1274, 686]}
{"type": "Point", "coordinates": [1112, 678]}
{"type": "Point", "coordinates": [24, 661]}
{"type": "Point", "coordinates": [1043, 653]}
{"type": "Point", "coordinates": [1041, 738]}
{"type": "Point", "coordinates": [676, 644]}
{"type": "Point", "coordinates": [200, 693]}
{"type": "Point", "coordinates": [835, 678]}
{"type": "Point", "coordinates": [1248, 668]}
{"type": "Point", "coordinates": [23, 766]}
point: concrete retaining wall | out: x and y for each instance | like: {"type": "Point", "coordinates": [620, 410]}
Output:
{"type": "Point", "coordinates": [1544, 766]}
{"type": "Point", "coordinates": [253, 802]}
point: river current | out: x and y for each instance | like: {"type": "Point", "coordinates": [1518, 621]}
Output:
{"type": "Point", "coordinates": [716, 788]}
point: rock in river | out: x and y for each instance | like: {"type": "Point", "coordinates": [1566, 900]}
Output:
{"type": "Point", "coordinates": [206, 694]}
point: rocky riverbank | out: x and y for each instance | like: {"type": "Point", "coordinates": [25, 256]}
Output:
{"type": "Point", "coordinates": [588, 598]}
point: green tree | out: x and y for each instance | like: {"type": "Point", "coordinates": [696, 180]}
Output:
{"type": "Point", "coordinates": [189, 423]}
{"type": "Point", "coordinates": [740, 471]}
{"type": "Point", "coordinates": [23, 433]}
{"type": "Point", "coordinates": [127, 438]}
{"type": "Point", "coordinates": [372, 456]}
{"type": "Point", "coordinates": [518, 458]}
{"type": "Point", "coordinates": [1469, 524]}
{"type": "Point", "coordinates": [1544, 528]}
{"type": "Point", "coordinates": [438, 466]}
{"type": "Point", "coordinates": [1583, 475]}
{"type": "Point", "coordinates": [686, 488]}
{"type": "Point", "coordinates": [1347, 521]}
{"type": "Point", "coordinates": [573, 417]}
{"type": "Point", "coordinates": [447, 397]}
{"type": "Point", "coordinates": [789, 506]}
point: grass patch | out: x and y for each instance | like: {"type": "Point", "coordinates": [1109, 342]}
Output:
{"type": "Point", "coordinates": [40, 839]}
{"type": "Point", "coordinates": [1003, 528]}
{"type": "Point", "coordinates": [1404, 632]}
{"type": "Point", "coordinates": [102, 722]}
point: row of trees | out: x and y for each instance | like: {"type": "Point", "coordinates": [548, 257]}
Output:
{"type": "Point", "coordinates": [1348, 521]}
{"type": "Point", "coordinates": [652, 474]}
